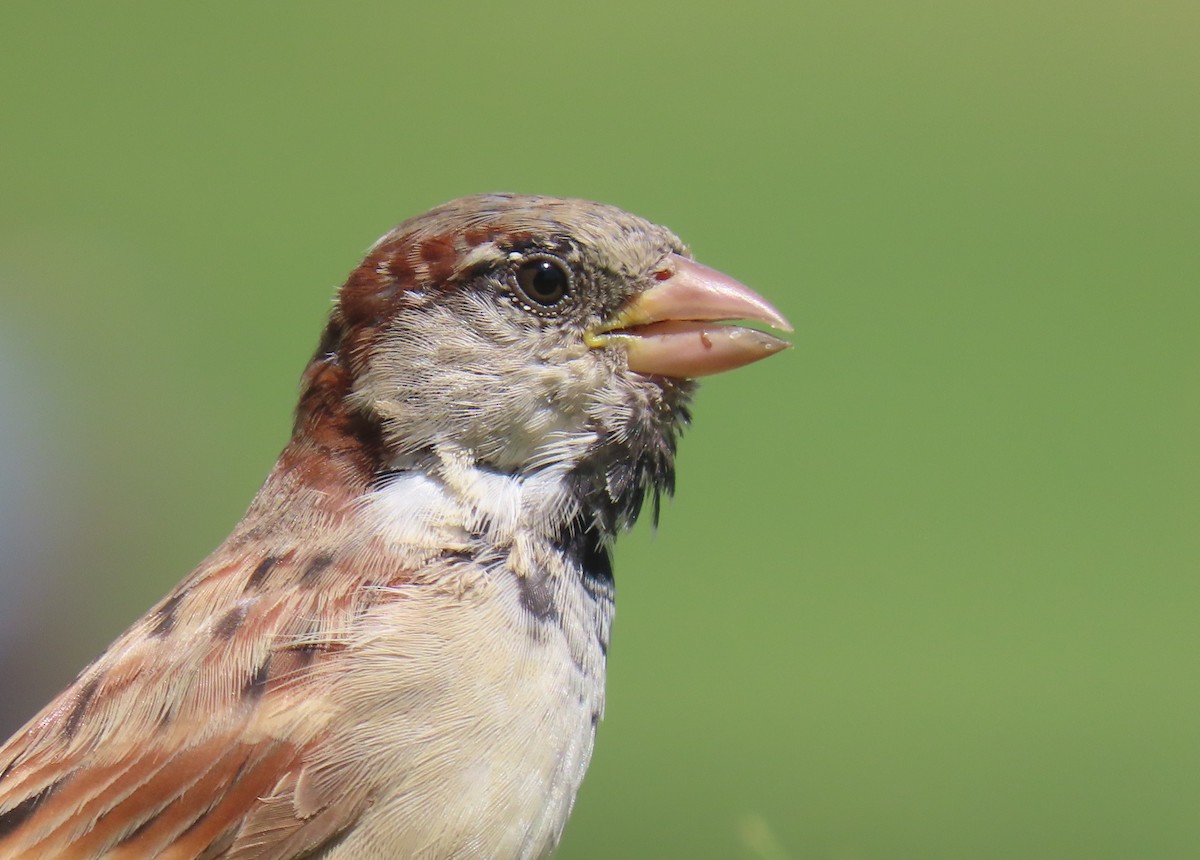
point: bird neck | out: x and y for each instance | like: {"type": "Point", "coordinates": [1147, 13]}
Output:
{"type": "Point", "coordinates": [439, 501]}
{"type": "Point", "coordinates": [446, 495]}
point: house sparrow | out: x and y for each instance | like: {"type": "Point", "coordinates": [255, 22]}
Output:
{"type": "Point", "coordinates": [400, 650]}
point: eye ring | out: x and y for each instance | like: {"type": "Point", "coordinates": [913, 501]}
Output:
{"type": "Point", "coordinates": [543, 281]}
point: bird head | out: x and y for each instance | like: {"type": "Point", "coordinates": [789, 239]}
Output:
{"type": "Point", "coordinates": [529, 333]}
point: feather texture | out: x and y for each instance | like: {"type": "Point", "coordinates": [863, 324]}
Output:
{"type": "Point", "coordinates": [400, 649]}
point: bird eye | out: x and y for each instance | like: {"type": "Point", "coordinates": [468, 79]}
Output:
{"type": "Point", "coordinates": [544, 281]}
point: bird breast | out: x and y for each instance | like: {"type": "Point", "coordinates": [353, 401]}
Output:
{"type": "Point", "coordinates": [481, 695]}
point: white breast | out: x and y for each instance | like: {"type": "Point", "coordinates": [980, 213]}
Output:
{"type": "Point", "coordinates": [475, 714]}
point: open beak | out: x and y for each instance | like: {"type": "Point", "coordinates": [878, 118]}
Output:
{"type": "Point", "coordinates": [674, 328]}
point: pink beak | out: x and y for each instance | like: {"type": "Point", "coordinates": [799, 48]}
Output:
{"type": "Point", "coordinates": [674, 328]}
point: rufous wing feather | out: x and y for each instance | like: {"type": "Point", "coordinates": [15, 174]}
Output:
{"type": "Point", "coordinates": [194, 734]}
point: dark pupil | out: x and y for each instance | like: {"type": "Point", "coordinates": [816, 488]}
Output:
{"type": "Point", "coordinates": [543, 281]}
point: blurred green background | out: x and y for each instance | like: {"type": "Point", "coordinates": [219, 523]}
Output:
{"type": "Point", "coordinates": [930, 585]}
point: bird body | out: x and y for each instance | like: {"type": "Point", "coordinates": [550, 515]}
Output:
{"type": "Point", "coordinates": [400, 649]}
